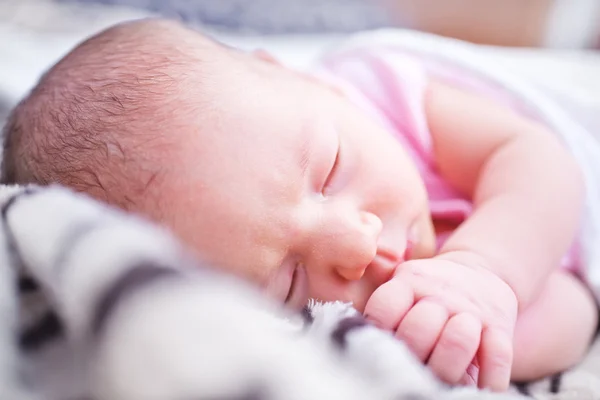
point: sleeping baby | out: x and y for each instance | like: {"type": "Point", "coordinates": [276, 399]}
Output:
{"type": "Point", "coordinates": [449, 207]}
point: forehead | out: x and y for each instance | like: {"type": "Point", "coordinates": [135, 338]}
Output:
{"type": "Point", "coordinates": [265, 129]}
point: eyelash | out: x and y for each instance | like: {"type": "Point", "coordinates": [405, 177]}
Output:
{"type": "Point", "coordinates": [298, 292]}
{"type": "Point", "coordinates": [291, 290]}
{"type": "Point", "coordinates": [332, 172]}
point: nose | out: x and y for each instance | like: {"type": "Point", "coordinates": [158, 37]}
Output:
{"type": "Point", "coordinates": [347, 242]}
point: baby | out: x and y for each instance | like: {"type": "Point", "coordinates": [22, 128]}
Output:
{"type": "Point", "coordinates": [440, 208]}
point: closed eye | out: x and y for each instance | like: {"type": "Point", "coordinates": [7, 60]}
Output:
{"type": "Point", "coordinates": [332, 171]}
{"type": "Point", "coordinates": [297, 296]}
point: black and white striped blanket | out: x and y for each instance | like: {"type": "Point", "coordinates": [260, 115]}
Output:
{"type": "Point", "coordinates": [97, 304]}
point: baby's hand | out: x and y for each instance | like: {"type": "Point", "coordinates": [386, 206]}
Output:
{"type": "Point", "coordinates": [458, 319]}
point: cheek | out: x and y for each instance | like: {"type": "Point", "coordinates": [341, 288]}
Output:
{"type": "Point", "coordinates": [387, 177]}
{"type": "Point", "coordinates": [215, 238]}
{"type": "Point", "coordinates": [386, 161]}
{"type": "Point", "coordinates": [402, 172]}
{"type": "Point", "coordinates": [426, 245]}
{"type": "Point", "coordinates": [392, 184]}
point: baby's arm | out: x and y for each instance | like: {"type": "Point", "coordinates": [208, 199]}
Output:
{"type": "Point", "coordinates": [460, 307]}
{"type": "Point", "coordinates": [526, 188]}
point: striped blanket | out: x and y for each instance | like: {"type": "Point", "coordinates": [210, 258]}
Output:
{"type": "Point", "coordinates": [98, 304]}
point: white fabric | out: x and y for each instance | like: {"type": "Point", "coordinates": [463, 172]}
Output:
{"type": "Point", "coordinates": [573, 23]}
{"type": "Point", "coordinates": [578, 139]}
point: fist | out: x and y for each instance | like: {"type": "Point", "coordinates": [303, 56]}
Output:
{"type": "Point", "coordinates": [457, 319]}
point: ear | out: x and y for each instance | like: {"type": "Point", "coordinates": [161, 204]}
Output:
{"type": "Point", "coordinates": [264, 55]}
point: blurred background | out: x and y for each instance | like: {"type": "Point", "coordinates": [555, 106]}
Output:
{"type": "Point", "coordinates": [556, 41]}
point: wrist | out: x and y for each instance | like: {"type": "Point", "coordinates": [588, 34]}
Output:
{"type": "Point", "coordinates": [468, 258]}
{"type": "Point", "coordinates": [473, 260]}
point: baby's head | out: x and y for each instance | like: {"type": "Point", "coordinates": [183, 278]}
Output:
{"type": "Point", "coordinates": [262, 170]}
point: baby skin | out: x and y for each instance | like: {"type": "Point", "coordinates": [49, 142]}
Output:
{"type": "Point", "coordinates": [278, 178]}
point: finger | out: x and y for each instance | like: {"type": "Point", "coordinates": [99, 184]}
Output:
{"type": "Point", "coordinates": [471, 376]}
{"type": "Point", "coordinates": [389, 304]}
{"type": "Point", "coordinates": [456, 347]}
{"type": "Point", "coordinates": [421, 327]}
{"type": "Point", "coordinates": [495, 359]}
